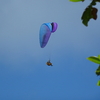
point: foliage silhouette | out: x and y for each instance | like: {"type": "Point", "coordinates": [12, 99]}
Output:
{"type": "Point", "coordinates": [90, 11]}
{"type": "Point", "coordinates": [96, 59]}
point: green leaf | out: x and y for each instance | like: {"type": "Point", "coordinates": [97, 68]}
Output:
{"type": "Point", "coordinates": [98, 71]}
{"type": "Point", "coordinates": [99, 56]}
{"type": "Point", "coordinates": [86, 16]}
{"type": "Point", "coordinates": [76, 0]}
{"type": "Point", "coordinates": [94, 59]}
{"type": "Point", "coordinates": [93, 3]}
{"type": "Point", "coordinates": [98, 83]}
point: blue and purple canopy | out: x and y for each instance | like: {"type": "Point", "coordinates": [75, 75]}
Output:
{"type": "Point", "coordinates": [45, 31]}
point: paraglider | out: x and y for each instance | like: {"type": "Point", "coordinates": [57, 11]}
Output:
{"type": "Point", "coordinates": [44, 35]}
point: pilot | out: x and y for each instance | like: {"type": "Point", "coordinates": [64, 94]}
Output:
{"type": "Point", "coordinates": [49, 63]}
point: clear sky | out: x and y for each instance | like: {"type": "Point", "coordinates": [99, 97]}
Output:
{"type": "Point", "coordinates": [24, 74]}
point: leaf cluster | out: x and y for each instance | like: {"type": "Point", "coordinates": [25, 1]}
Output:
{"type": "Point", "coordinates": [90, 12]}
{"type": "Point", "coordinates": [96, 59]}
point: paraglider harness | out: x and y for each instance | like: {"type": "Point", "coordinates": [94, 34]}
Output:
{"type": "Point", "coordinates": [49, 63]}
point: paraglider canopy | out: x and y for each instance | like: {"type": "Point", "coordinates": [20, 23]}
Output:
{"type": "Point", "coordinates": [45, 32]}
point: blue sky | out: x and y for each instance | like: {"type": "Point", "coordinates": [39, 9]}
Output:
{"type": "Point", "coordinates": [24, 74]}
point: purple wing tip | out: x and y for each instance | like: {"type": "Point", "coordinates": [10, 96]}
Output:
{"type": "Point", "coordinates": [54, 26]}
